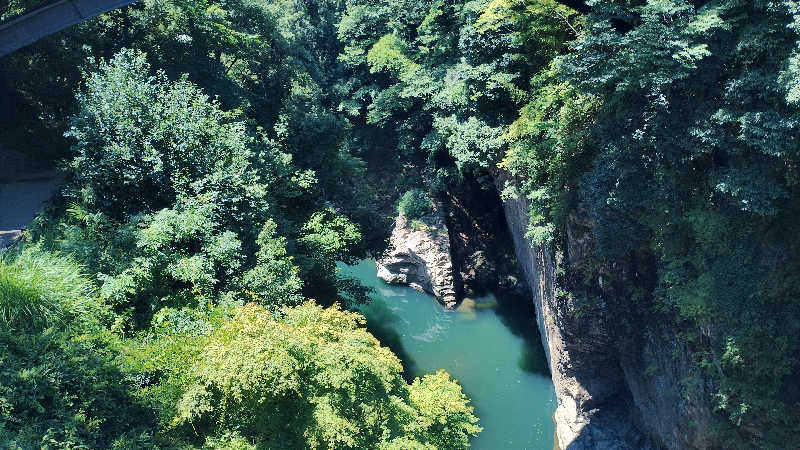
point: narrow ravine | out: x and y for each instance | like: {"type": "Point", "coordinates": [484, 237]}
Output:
{"type": "Point", "coordinates": [490, 345]}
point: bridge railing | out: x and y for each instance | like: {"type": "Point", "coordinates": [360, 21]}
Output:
{"type": "Point", "coordinates": [28, 28]}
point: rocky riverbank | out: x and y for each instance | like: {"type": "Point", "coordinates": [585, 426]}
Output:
{"type": "Point", "coordinates": [622, 381]}
{"type": "Point", "coordinates": [419, 256]}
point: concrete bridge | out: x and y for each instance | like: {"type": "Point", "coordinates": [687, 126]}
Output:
{"type": "Point", "coordinates": [28, 28]}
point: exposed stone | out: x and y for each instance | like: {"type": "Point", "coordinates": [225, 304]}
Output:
{"type": "Point", "coordinates": [481, 247]}
{"type": "Point", "coordinates": [590, 411]}
{"type": "Point", "coordinates": [617, 388]}
{"type": "Point", "coordinates": [419, 256]}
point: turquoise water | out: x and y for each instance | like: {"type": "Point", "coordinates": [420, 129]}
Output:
{"type": "Point", "coordinates": [490, 345]}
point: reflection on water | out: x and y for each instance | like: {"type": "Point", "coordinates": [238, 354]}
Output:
{"type": "Point", "coordinates": [383, 323]}
{"type": "Point", "coordinates": [519, 316]}
{"type": "Point", "coordinates": [533, 360]}
{"type": "Point", "coordinates": [491, 345]}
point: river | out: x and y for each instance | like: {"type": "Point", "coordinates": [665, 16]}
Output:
{"type": "Point", "coordinates": [490, 345]}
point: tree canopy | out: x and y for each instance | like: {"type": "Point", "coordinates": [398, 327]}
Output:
{"type": "Point", "coordinates": [223, 155]}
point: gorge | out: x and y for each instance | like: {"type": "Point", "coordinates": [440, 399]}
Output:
{"type": "Point", "coordinates": [489, 344]}
{"type": "Point", "coordinates": [624, 173]}
{"type": "Point", "coordinates": [603, 402]}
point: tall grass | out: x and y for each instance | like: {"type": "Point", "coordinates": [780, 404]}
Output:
{"type": "Point", "coordinates": [40, 289]}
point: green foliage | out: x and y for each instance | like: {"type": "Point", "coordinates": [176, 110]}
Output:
{"type": "Point", "coordinates": [40, 290]}
{"type": "Point", "coordinates": [388, 54]}
{"type": "Point", "coordinates": [143, 141]}
{"type": "Point", "coordinates": [273, 281]}
{"type": "Point", "coordinates": [316, 379]}
{"type": "Point", "coordinates": [472, 143]}
{"type": "Point", "coordinates": [210, 169]}
{"type": "Point", "coordinates": [542, 28]}
{"type": "Point", "coordinates": [180, 257]}
{"type": "Point", "coordinates": [219, 377]}
{"type": "Point", "coordinates": [667, 127]}
{"type": "Point", "coordinates": [415, 204]}
{"type": "Point", "coordinates": [429, 80]}
{"type": "Point", "coordinates": [695, 149]}
{"type": "Point", "coordinates": [14, 7]}
{"type": "Point", "coordinates": [326, 238]}
{"type": "Point", "coordinates": [444, 418]}
{"type": "Point", "coordinates": [58, 391]}
{"type": "Point", "coordinates": [549, 152]}
{"type": "Point", "coordinates": [170, 193]}
{"type": "Point", "coordinates": [59, 384]}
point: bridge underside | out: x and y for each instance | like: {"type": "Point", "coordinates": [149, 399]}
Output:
{"type": "Point", "coordinates": [34, 25]}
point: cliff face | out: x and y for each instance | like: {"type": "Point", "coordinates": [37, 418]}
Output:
{"type": "Point", "coordinates": [482, 250]}
{"type": "Point", "coordinates": [622, 381]}
{"type": "Point", "coordinates": [419, 256]}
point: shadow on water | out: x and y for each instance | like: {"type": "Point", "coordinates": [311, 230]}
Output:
{"type": "Point", "coordinates": [519, 315]}
{"type": "Point", "coordinates": [381, 322]}
{"type": "Point", "coordinates": [489, 344]}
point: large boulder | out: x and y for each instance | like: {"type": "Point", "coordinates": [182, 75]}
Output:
{"type": "Point", "coordinates": [419, 256]}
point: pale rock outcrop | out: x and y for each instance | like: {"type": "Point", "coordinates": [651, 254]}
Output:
{"type": "Point", "coordinates": [419, 256]}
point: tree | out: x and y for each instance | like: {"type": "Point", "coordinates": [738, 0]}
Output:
{"type": "Point", "coordinates": [414, 204]}
{"type": "Point", "coordinates": [315, 378]}
{"type": "Point", "coordinates": [695, 146]}
{"type": "Point", "coordinates": [143, 141]}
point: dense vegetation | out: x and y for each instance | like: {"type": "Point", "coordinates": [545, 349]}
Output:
{"type": "Point", "coordinates": [228, 153]}
{"type": "Point", "coordinates": [182, 290]}
{"type": "Point", "coordinates": [211, 376]}
{"type": "Point", "coordinates": [668, 126]}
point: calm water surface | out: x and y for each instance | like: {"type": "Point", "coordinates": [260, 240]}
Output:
{"type": "Point", "coordinates": [490, 345]}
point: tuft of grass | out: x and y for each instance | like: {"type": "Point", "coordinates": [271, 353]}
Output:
{"type": "Point", "coordinates": [40, 289]}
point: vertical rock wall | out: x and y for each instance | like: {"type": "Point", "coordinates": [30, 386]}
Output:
{"type": "Point", "coordinates": [617, 387]}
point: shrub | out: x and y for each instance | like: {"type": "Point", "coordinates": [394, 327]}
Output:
{"type": "Point", "coordinates": [59, 384]}
{"type": "Point", "coordinates": [274, 281]}
{"type": "Point", "coordinates": [414, 204]}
